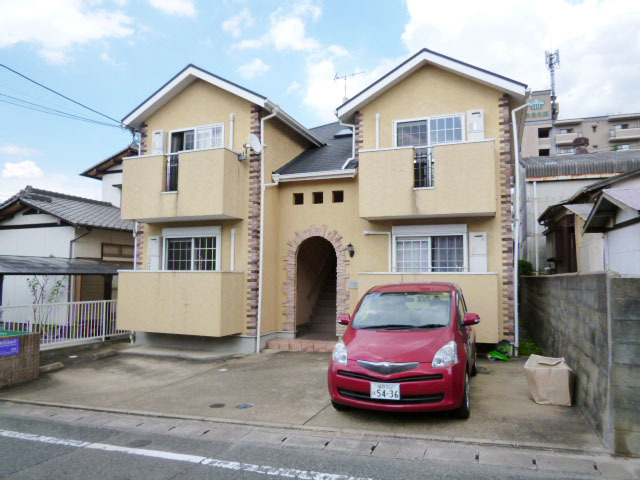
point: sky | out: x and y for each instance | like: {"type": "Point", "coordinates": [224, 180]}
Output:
{"type": "Point", "coordinates": [112, 54]}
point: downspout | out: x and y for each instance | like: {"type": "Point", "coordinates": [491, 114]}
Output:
{"type": "Point", "coordinates": [263, 188]}
{"type": "Point", "coordinates": [71, 255]}
{"type": "Point", "coordinates": [516, 229]}
{"type": "Point", "coordinates": [135, 245]}
{"type": "Point", "coordinates": [536, 225]}
{"type": "Point", "coordinates": [353, 141]}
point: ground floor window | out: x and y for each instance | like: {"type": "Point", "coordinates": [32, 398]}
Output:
{"type": "Point", "coordinates": [433, 253]}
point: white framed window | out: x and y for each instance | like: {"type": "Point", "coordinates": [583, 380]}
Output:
{"type": "Point", "coordinates": [420, 132]}
{"type": "Point", "coordinates": [191, 249]}
{"type": "Point", "coordinates": [197, 138]}
{"type": "Point", "coordinates": [430, 248]}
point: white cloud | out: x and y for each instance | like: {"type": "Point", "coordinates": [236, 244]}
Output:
{"type": "Point", "coordinates": [287, 31]}
{"type": "Point", "coordinates": [294, 87]}
{"type": "Point", "coordinates": [56, 27]}
{"type": "Point", "coordinates": [236, 24]}
{"type": "Point", "coordinates": [24, 169]}
{"type": "Point", "coordinates": [254, 68]}
{"type": "Point", "coordinates": [307, 8]}
{"type": "Point", "coordinates": [18, 150]}
{"type": "Point", "coordinates": [597, 41]}
{"type": "Point", "coordinates": [182, 8]}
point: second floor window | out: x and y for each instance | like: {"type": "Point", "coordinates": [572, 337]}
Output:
{"type": "Point", "coordinates": [430, 131]}
{"type": "Point", "coordinates": [200, 138]}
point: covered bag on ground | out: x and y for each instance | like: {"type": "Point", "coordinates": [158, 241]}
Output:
{"type": "Point", "coordinates": [550, 380]}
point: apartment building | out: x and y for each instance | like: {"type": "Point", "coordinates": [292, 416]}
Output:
{"type": "Point", "coordinates": [237, 246]}
{"type": "Point", "coordinates": [605, 133]}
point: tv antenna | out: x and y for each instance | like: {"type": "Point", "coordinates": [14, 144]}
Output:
{"type": "Point", "coordinates": [552, 59]}
{"type": "Point", "coordinates": [344, 77]}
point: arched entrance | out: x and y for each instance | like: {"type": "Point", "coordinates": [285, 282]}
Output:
{"type": "Point", "coordinates": [316, 290]}
{"type": "Point", "coordinates": [320, 240]}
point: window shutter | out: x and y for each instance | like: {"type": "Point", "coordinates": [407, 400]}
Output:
{"type": "Point", "coordinates": [154, 259]}
{"type": "Point", "coordinates": [475, 125]}
{"type": "Point", "coordinates": [158, 142]}
{"type": "Point", "coordinates": [478, 252]}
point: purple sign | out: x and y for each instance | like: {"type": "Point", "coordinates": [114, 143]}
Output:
{"type": "Point", "coordinates": [9, 347]}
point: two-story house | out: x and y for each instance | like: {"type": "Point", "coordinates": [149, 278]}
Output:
{"type": "Point", "coordinates": [413, 183]}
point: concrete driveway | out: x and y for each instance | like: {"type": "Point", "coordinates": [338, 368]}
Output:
{"type": "Point", "coordinates": [289, 388]}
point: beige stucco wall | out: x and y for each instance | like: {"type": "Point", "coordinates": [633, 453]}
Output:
{"type": "Point", "coordinates": [186, 303]}
{"type": "Point", "coordinates": [428, 92]}
{"type": "Point", "coordinates": [465, 182]}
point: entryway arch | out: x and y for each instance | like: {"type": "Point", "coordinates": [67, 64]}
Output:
{"type": "Point", "coordinates": [321, 240]}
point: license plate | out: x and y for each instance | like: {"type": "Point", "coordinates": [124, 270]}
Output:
{"type": "Point", "coordinates": [385, 391]}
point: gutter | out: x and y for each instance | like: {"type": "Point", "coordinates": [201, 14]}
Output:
{"type": "Point", "coordinates": [263, 188]}
{"type": "Point", "coordinates": [327, 174]}
{"type": "Point", "coordinates": [292, 122]}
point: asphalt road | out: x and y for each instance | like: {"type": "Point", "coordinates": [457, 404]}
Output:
{"type": "Point", "coordinates": [41, 448]}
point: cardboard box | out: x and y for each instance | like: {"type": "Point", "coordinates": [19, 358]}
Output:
{"type": "Point", "coordinates": [550, 380]}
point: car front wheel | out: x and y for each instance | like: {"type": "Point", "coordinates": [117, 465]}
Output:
{"type": "Point", "coordinates": [463, 410]}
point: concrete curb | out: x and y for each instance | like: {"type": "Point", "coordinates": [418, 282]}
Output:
{"type": "Point", "coordinates": [314, 429]}
{"type": "Point", "coordinates": [213, 358]}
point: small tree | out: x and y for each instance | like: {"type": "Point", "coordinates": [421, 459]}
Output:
{"type": "Point", "coordinates": [44, 289]}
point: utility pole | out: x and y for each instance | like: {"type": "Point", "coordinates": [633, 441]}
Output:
{"type": "Point", "coordinates": [344, 77]}
{"type": "Point", "coordinates": [552, 60]}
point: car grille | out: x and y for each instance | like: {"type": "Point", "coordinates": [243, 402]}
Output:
{"type": "Point", "coordinates": [413, 378]}
{"type": "Point", "coordinates": [388, 368]}
{"type": "Point", "coordinates": [407, 400]}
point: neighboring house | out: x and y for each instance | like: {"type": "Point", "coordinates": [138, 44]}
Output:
{"type": "Point", "coordinates": [109, 172]}
{"type": "Point", "coordinates": [547, 181]}
{"type": "Point", "coordinates": [597, 229]}
{"type": "Point", "coordinates": [413, 184]}
{"type": "Point", "coordinates": [40, 223]}
{"type": "Point", "coordinates": [605, 132]}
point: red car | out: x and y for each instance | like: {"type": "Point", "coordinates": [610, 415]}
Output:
{"type": "Point", "coordinates": [409, 347]}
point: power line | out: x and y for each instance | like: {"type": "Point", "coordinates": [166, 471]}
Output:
{"type": "Point", "coordinates": [66, 98]}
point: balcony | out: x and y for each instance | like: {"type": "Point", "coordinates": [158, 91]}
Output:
{"type": "Point", "coordinates": [457, 180]}
{"type": "Point", "coordinates": [624, 134]}
{"type": "Point", "coordinates": [185, 303]}
{"type": "Point", "coordinates": [211, 185]}
{"type": "Point", "coordinates": [481, 294]}
{"type": "Point", "coordinates": [567, 138]}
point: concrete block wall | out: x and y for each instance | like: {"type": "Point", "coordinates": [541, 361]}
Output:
{"type": "Point", "coordinates": [593, 321]}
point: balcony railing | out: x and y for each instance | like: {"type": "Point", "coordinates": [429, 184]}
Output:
{"type": "Point", "coordinates": [624, 133]}
{"type": "Point", "coordinates": [423, 171]}
{"type": "Point", "coordinates": [567, 138]}
{"type": "Point", "coordinates": [172, 173]}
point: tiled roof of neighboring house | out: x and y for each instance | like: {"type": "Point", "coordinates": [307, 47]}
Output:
{"type": "Point", "coordinates": [99, 169]}
{"type": "Point", "coordinates": [77, 211]}
{"type": "Point", "coordinates": [322, 159]}
{"type": "Point", "coordinates": [583, 164]}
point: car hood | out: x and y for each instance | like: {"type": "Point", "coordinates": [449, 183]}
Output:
{"type": "Point", "coordinates": [395, 345]}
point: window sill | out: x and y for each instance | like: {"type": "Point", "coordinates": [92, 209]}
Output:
{"type": "Point", "coordinates": [169, 192]}
{"type": "Point", "coordinates": [424, 188]}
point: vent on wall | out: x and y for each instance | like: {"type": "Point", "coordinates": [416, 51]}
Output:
{"type": "Point", "coordinates": [158, 142]}
{"type": "Point", "coordinates": [475, 125]}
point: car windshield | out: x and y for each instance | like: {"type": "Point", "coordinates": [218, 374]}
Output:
{"type": "Point", "coordinates": [404, 310]}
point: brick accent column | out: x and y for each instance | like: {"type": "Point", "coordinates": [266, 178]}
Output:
{"type": "Point", "coordinates": [144, 148]}
{"type": "Point", "coordinates": [253, 262]}
{"type": "Point", "coordinates": [139, 246]}
{"type": "Point", "coordinates": [290, 284]}
{"type": "Point", "coordinates": [358, 134]}
{"type": "Point", "coordinates": [506, 218]}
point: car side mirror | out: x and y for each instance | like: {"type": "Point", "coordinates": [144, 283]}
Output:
{"type": "Point", "coordinates": [471, 319]}
{"type": "Point", "coordinates": [344, 319]}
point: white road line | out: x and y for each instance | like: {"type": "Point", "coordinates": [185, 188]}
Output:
{"type": "Point", "coordinates": [181, 457]}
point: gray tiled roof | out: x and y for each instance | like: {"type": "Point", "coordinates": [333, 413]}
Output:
{"type": "Point", "coordinates": [589, 163]}
{"type": "Point", "coordinates": [78, 211]}
{"type": "Point", "coordinates": [321, 159]}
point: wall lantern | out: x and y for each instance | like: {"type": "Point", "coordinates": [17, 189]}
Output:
{"type": "Point", "coordinates": [352, 252]}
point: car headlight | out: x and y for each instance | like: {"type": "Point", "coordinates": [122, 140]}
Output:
{"type": "Point", "coordinates": [340, 353]}
{"type": "Point", "coordinates": [446, 356]}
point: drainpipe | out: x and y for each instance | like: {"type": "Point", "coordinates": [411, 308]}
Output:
{"type": "Point", "coordinates": [135, 245]}
{"type": "Point", "coordinates": [71, 255]}
{"type": "Point", "coordinates": [536, 224]}
{"type": "Point", "coordinates": [263, 188]}
{"type": "Point", "coordinates": [353, 141]}
{"type": "Point", "coordinates": [516, 227]}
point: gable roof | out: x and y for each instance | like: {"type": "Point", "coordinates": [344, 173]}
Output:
{"type": "Point", "coordinates": [416, 61]}
{"type": "Point", "coordinates": [582, 164]}
{"type": "Point", "coordinates": [191, 73]}
{"type": "Point", "coordinates": [330, 157]}
{"type": "Point", "coordinates": [76, 211]}
{"type": "Point", "coordinates": [603, 213]}
{"type": "Point", "coordinates": [99, 169]}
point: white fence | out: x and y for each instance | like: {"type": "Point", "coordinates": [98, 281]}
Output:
{"type": "Point", "coordinates": [63, 324]}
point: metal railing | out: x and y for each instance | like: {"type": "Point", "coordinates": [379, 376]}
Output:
{"type": "Point", "coordinates": [423, 170]}
{"type": "Point", "coordinates": [172, 173]}
{"type": "Point", "coordinates": [62, 324]}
